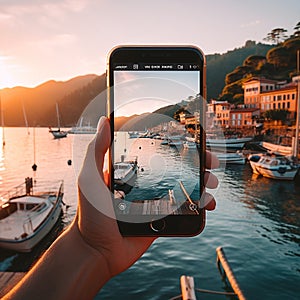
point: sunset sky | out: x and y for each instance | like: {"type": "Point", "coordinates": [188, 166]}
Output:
{"type": "Point", "coordinates": [154, 88]}
{"type": "Point", "coordinates": [60, 39]}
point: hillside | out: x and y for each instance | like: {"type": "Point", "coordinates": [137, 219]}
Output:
{"type": "Point", "coordinates": [146, 120]}
{"type": "Point", "coordinates": [39, 102]}
{"type": "Point", "coordinates": [73, 95]}
{"type": "Point", "coordinates": [279, 63]}
{"type": "Point", "coordinates": [219, 65]}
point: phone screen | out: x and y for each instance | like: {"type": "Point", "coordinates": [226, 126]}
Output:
{"type": "Point", "coordinates": [158, 139]}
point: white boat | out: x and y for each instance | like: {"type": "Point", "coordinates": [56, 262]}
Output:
{"type": "Point", "coordinates": [83, 129]}
{"type": "Point", "coordinates": [57, 133]}
{"type": "Point", "coordinates": [189, 145]}
{"type": "Point", "coordinates": [133, 134]}
{"type": "Point", "coordinates": [175, 141]}
{"type": "Point", "coordinates": [278, 149]}
{"type": "Point", "coordinates": [125, 172]}
{"type": "Point", "coordinates": [231, 158]}
{"type": "Point", "coordinates": [28, 215]}
{"type": "Point", "coordinates": [272, 166]}
{"type": "Point", "coordinates": [231, 143]}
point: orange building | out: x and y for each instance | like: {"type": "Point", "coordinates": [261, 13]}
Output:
{"type": "Point", "coordinates": [243, 117]}
{"type": "Point", "coordinates": [268, 94]}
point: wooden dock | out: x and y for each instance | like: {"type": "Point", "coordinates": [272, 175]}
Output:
{"type": "Point", "coordinates": [8, 280]}
{"type": "Point", "coordinates": [179, 204]}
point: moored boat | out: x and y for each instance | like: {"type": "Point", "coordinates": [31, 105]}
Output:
{"type": "Point", "coordinates": [58, 133]}
{"type": "Point", "coordinates": [272, 166]}
{"type": "Point", "coordinates": [231, 158]}
{"type": "Point", "coordinates": [230, 143]}
{"type": "Point", "coordinates": [125, 173]}
{"type": "Point", "coordinates": [29, 214]}
{"type": "Point", "coordinates": [189, 145]}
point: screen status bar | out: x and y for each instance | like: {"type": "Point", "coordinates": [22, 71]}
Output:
{"type": "Point", "coordinates": [156, 67]}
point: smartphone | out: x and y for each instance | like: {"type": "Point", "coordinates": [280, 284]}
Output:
{"type": "Point", "coordinates": [156, 165]}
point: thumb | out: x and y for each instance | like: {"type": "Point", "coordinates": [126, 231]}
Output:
{"type": "Point", "coordinates": [90, 179]}
{"type": "Point", "coordinates": [102, 142]}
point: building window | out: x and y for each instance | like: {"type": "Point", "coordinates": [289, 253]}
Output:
{"type": "Point", "coordinates": [274, 98]}
{"type": "Point", "coordinates": [288, 104]}
{"type": "Point", "coordinates": [279, 97]}
{"type": "Point", "coordinates": [274, 106]}
{"type": "Point", "coordinates": [283, 105]}
{"type": "Point", "coordinates": [288, 96]}
{"type": "Point", "coordinates": [293, 96]}
{"type": "Point", "coordinates": [279, 105]}
{"type": "Point", "coordinates": [284, 97]}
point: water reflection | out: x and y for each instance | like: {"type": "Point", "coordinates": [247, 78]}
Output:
{"type": "Point", "coordinates": [275, 200]}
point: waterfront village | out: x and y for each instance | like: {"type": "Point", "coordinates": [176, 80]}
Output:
{"type": "Point", "coordinates": [251, 118]}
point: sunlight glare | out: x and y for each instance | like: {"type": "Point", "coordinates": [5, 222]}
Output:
{"type": "Point", "coordinates": [6, 78]}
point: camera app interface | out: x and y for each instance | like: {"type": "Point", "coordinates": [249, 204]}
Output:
{"type": "Point", "coordinates": [156, 145]}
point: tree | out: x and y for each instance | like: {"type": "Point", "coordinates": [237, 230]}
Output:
{"type": "Point", "coordinates": [255, 61]}
{"type": "Point", "coordinates": [279, 57]}
{"type": "Point", "coordinates": [276, 36]}
{"type": "Point", "coordinates": [276, 114]}
{"type": "Point", "coordinates": [297, 30]}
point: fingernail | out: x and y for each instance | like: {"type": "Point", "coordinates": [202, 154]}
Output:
{"type": "Point", "coordinates": [100, 123]}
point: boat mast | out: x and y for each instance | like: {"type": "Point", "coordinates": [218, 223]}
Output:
{"type": "Point", "coordinates": [2, 123]}
{"type": "Point", "coordinates": [25, 118]}
{"type": "Point", "coordinates": [296, 144]}
{"type": "Point", "coordinates": [58, 120]}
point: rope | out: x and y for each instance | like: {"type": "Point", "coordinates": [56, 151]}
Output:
{"type": "Point", "coordinates": [176, 297]}
{"type": "Point", "coordinates": [216, 292]}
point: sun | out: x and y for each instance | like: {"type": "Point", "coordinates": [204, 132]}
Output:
{"type": "Point", "coordinates": [6, 73]}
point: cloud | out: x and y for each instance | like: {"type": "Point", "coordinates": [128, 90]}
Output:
{"type": "Point", "coordinates": [251, 24]}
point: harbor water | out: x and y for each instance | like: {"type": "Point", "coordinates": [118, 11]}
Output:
{"type": "Point", "coordinates": [256, 221]}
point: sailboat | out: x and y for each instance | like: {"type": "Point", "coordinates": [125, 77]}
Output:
{"type": "Point", "coordinates": [57, 133]}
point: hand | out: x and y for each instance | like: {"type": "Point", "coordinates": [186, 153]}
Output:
{"type": "Point", "coordinates": [95, 226]}
{"type": "Point", "coordinates": [91, 250]}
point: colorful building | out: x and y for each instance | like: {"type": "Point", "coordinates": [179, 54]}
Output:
{"type": "Point", "coordinates": [268, 94]}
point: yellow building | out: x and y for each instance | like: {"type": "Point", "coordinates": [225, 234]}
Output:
{"type": "Point", "coordinates": [268, 94]}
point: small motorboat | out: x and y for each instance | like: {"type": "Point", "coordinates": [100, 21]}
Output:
{"type": "Point", "coordinates": [227, 143]}
{"type": "Point", "coordinates": [28, 215]}
{"type": "Point", "coordinates": [189, 145]}
{"type": "Point", "coordinates": [231, 158]}
{"type": "Point", "coordinates": [273, 166]}
{"type": "Point", "coordinates": [125, 172]}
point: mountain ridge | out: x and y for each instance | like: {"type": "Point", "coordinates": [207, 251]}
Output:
{"type": "Point", "coordinates": [76, 93]}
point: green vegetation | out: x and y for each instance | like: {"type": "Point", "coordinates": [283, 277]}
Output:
{"type": "Point", "coordinates": [279, 63]}
{"type": "Point", "coordinates": [276, 115]}
{"type": "Point", "coordinates": [219, 65]}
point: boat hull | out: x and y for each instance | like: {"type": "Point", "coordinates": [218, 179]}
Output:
{"type": "Point", "coordinates": [27, 243]}
{"type": "Point", "coordinates": [281, 172]}
{"type": "Point", "coordinates": [227, 143]}
{"type": "Point", "coordinates": [231, 158]}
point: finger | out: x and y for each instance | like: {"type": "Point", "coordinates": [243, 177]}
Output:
{"type": "Point", "coordinates": [212, 161]}
{"type": "Point", "coordinates": [90, 179]}
{"type": "Point", "coordinates": [209, 202]}
{"type": "Point", "coordinates": [102, 141]}
{"type": "Point", "coordinates": [210, 180]}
